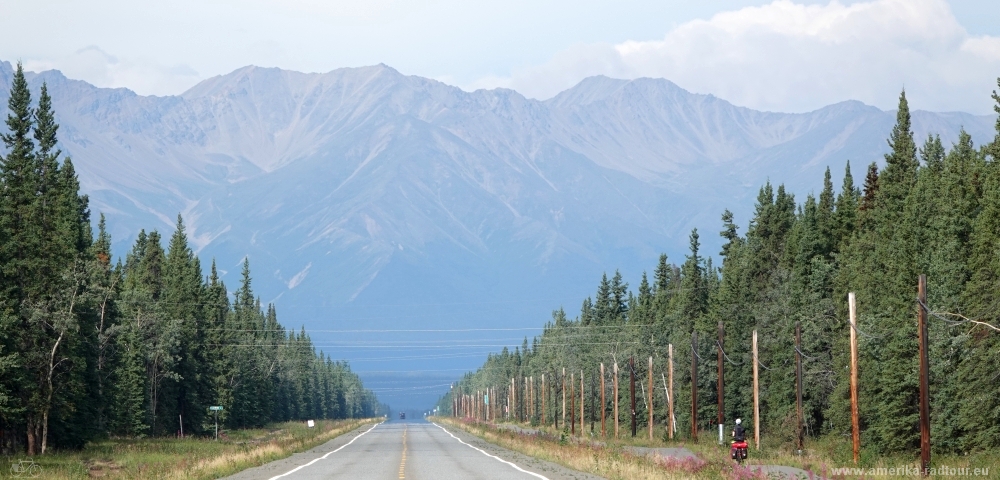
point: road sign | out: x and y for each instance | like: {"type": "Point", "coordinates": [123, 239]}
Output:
{"type": "Point", "coordinates": [216, 409]}
{"type": "Point", "coordinates": [486, 399]}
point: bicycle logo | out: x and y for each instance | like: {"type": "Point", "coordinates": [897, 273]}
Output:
{"type": "Point", "coordinates": [25, 469]}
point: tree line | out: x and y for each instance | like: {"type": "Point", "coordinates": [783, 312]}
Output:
{"type": "Point", "coordinates": [929, 210]}
{"type": "Point", "coordinates": [92, 348]}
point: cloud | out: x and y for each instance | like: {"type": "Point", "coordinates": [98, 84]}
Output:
{"type": "Point", "coordinates": [102, 69]}
{"type": "Point", "coordinates": [785, 56]}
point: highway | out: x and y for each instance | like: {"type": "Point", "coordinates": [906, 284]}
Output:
{"type": "Point", "coordinates": [413, 449]}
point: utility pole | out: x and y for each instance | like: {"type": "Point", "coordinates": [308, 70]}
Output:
{"type": "Point", "coordinates": [720, 390]}
{"type": "Point", "coordinates": [554, 392]}
{"type": "Point", "coordinates": [614, 384]}
{"type": "Point", "coordinates": [572, 405]}
{"type": "Point", "coordinates": [798, 382]}
{"type": "Point", "coordinates": [564, 397]}
{"type": "Point", "coordinates": [925, 400]}
{"type": "Point", "coordinates": [855, 416]}
{"type": "Point", "coordinates": [593, 402]}
{"type": "Point", "coordinates": [543, 399]}
{"type": "Point", "coordinates": [604, 432]}
{"type": "Point", "coordinates": [756, 396]}
{"type": "Point", "coordinates": [670, 392]}
{"type": "Point", "coordinates": [581, 404]}
{"type": "Point", "coordinates": [694, 386]}
{"type": "Point", "coordinates": [631, 371]}
{"type": "Point", "coordinates": [649, 407]}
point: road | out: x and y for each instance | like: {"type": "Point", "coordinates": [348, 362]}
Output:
{"type": "Point", "coordinates": [409, 450]}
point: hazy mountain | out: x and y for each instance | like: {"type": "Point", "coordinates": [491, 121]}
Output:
{"type": "Point", "coordinates": [367, 198]}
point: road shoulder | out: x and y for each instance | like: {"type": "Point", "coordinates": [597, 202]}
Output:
{"type": "Point", "coordinates": [278, 467]}
{"type": "Point", "coordinates": [550, 470]}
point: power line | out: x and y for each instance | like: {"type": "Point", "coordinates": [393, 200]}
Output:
{"type": "Point", "coordinates": [348, 347]}
{"type": "Point", "coordinates": [804, 355]}
{"type": "Point", "coordinates": [955, 323]}
{"type": "Point", "coordinates": [427, 330]}
{"type": "Point", "coordinates": [725, 355]}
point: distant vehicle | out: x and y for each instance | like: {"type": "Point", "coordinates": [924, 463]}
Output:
{"type": "Point", "coordinates": [402, 415]}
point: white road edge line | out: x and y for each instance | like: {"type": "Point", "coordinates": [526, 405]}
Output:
{"type": "Point", "coordinates": [300, 467]}
{"type": "Point", "coordinates": [533, 474]}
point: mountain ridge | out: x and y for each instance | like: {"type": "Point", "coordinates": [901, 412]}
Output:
{"type": "Point", "coordinates": [361, 188]}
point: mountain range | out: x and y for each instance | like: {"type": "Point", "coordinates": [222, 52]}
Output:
{"type": "Point", "coordinates": [368, 199]}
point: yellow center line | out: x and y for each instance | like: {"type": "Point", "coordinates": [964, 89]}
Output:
{"type": "Point", "coordinates": [402, 462]}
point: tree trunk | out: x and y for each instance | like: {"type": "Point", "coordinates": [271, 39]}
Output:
{"type": "Point", "coordinates": [31, 438]}
{"type": "Point", "coordinates": [48, 401]}
{"type": "Point", "coordinates": [45, 429]}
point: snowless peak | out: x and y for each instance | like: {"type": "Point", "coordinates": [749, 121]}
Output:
{"type": "Point", "coordinates": [296, 169]}
{"type": "Point", "coordinates": [600, 88]}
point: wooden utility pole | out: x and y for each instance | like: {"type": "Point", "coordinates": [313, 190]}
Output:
{"type": "Point", "coordinates": [572, 405]}
{"type": "Point", "coordinates": [855, 416]}
{"type": "Point", "coordinates": [543, 399]}
{"type": "Point", "coordinates": [564, 397]}
{"type": "Point", "coordinates": [670, 392]}
{"type": "Point", "coordinates": [631, 371]}
{"type": "Point", "coordinates": [798, 383]}
{"type": "Point", "coordinates": [513, 399]}
{"type": "Point", "coordinates": [582, 428]}
{"type": "Point", "coordinates": [649, 406]}
{"type": "Point", "coordinates": [614, 384]}
{"type": "Point", "coordinates": [555, 398]}
{"type": "Point", "coordinates": [604, 432]}
{"type": "Point", "coordinates": [756, 396]}
{"type": "Point", "coordinates": [694, 386]}
{"type": "Point", "coordinates": [593, 402]}
{"type": "Point", "coordinates": [925, 399]}
{"type": "Point", "coordinates": [720, 384]}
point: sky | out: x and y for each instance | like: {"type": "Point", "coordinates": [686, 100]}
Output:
{"type": "Point", "coordinates": [785, 55]}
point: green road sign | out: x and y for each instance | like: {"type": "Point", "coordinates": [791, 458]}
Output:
{"type": "Point", "coordinates": [215, 408]}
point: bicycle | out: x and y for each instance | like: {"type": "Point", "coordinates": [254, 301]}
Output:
{"type": "Point", "coordinates": [25, 468]}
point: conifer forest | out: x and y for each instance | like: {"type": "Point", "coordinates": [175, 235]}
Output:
{"type": "Point", "coordinates": [92, 347]}
{"type": "Point", "coordinates": [930, 209]}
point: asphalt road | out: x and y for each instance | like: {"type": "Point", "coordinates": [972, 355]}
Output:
{"type": "Point", "coordinates": [409, 450]}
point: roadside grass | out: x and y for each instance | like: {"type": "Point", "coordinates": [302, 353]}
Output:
{"type": "Point", "coordinates": [188, 458]}
{"type": "Point", "coordinates": [602, 460]}
{"type": "Point", "coordinates": [605, 456]}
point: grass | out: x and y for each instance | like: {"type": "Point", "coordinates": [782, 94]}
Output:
{"type": "Point", "coordinates": [607, 458]}
{"type": "Point", "coordinates": [609, 461]}
{"type": "Point", "coordinates": [188, 458]}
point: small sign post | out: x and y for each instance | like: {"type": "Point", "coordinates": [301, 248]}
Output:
{"type": "Point", "coordinates": [216, 409]}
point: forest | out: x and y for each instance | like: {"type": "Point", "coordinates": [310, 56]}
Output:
{"type": "Point", "coordinates": [928, 210]}
{"type": "Point", "coordinates": [92, 347]}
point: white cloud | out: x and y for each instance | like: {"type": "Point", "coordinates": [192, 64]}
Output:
{"type": "Point", "coordinates": [99, 68]}
{"type": "Point", "coordinates": [791, 57]}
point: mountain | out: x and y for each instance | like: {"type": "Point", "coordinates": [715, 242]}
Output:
{"type": "Point", "coordinates": [368, 199]}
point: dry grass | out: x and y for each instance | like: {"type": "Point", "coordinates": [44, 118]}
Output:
{"type": "Point", "coordinates": [189, 458]}
{"type": "Point", "coordinates": [605, 457]}
{"type": "Point", "coordinates": [607, 461]}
